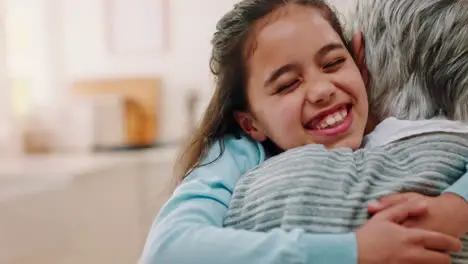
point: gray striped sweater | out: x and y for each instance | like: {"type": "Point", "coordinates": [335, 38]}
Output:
{"type": "Point", "coordinates": [326, 191]}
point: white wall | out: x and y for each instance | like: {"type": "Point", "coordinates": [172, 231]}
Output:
{"type": "Point", "coordinates": [73, 46]}
{"type": "Point", "coordinates": [4, 91]}
{"type": "Point", "coordinates": [38, 53]}
{"type": "Point", "coordinates": [183, 67]}
{"type": "Point", "coordinates": [9, 139]}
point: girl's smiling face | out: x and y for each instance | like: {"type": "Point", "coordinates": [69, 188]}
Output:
{"type": "Point", "coordinates": [303, 85]}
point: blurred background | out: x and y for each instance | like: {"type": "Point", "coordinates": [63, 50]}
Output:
{"type": "Point", "coordinates": [95, 99]}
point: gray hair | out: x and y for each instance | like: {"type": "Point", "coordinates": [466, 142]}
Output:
{"type": "Point", "coordinates": [417, 57]}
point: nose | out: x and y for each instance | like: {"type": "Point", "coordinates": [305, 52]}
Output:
{"type": "Point", "coordinates": [321, 93]}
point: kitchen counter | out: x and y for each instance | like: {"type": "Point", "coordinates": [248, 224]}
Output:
{"type": "Point", "coordinates": [88, 208]}
{"type": "Point", "coordinates": [38, 172]}
{"type": "Point", "coordinates": [66, 163]}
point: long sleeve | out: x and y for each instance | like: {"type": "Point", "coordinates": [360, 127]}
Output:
{"type": "Point", "coordinates": [460, 187]}
{"type": "Point", "coordinates": [189, 227]}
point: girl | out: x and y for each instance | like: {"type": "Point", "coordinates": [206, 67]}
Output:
{"type": "Point", "coordinates": [250, 81]}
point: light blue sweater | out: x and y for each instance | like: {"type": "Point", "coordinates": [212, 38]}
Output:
{"type": "Point", "coordinates": [189, 229]}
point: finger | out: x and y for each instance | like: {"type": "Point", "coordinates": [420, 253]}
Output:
{"type": "Point", "coordinates": [389, 201]}
{"type": "Point", "coordinates": [401, 212]}
{"type": "Point", "coordinates": [428, 256]}
{"type": "Point", "coordinates": [412, 223]}
{"type": "Point", "coordinates": [437, 241]}
{"type": "Point", "coordinates": [374, 206]}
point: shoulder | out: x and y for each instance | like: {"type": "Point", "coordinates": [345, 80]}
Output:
{"type": "Point", "coordinates": [243, 149]}
{"type": "Point", "coordinates": [232, 154]}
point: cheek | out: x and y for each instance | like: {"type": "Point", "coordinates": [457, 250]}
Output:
{"type": "Point", "coordinates": [285, 112]}
{"type": "Point", "coordinates": [354, 85]}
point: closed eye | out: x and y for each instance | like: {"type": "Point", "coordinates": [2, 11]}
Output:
{"type": "Point", "coordinates": [287, 87]}
{"type": "Point", "coordinates": [333, 65]}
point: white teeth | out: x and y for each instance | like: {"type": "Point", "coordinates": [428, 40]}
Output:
{"type": "Point", "coordinates": [330, 120]}
{"type": "Point", "coordinates": [344, 113]}
{"type": "Point", "coordinates": [338, 117]}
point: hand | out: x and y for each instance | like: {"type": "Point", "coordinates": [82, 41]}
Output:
{"type": "Point", "coordinates": [382, 240]}
{"type": "Point", "coordinates": [447, 213]}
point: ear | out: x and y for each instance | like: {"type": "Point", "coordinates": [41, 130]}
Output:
{"type": "Point", "coordinates": [250, 126]}
{"type": "Point", "coordinates": [359, 49]}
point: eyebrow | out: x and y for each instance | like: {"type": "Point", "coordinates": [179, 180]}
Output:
{"type": "Point", "coordinates": [291, 67]}
{"type": "Point", "coordinates": [327, 48]}
{"type": "Point", "coordinates": [277, 73]}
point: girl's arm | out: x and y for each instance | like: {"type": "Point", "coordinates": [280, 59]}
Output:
{"type": "Point", "coordinates": [189, 229]}
{"type": "Point", "coordinates": [460, 187]}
